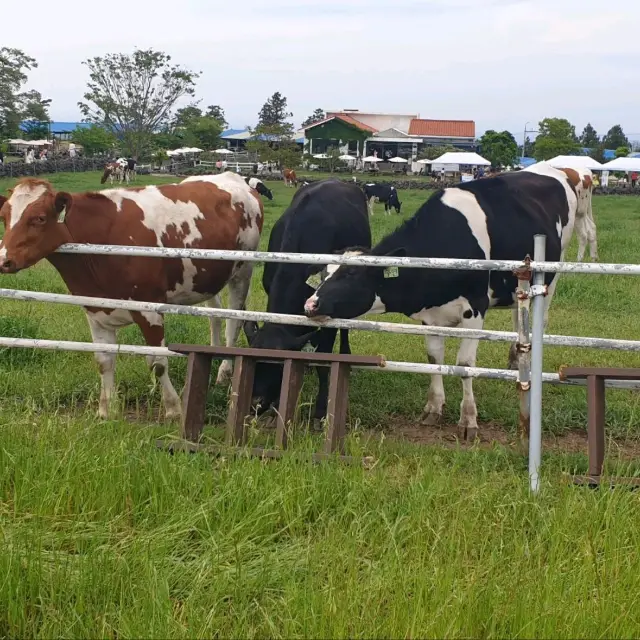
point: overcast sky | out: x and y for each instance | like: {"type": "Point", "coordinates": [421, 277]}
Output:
{"type": "Point", "coordinates": [501, 63]}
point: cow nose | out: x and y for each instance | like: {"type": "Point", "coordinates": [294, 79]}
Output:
{"type": "Point", "coordinates": [311, 306]}
{"type": "Point", "coordinates": [8, 266]}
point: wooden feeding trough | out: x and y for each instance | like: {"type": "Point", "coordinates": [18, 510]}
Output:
{"type": "Point", "coordinates": [200, 358]}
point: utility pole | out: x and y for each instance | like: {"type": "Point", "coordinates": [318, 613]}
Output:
{"type": "Point", "coordinates": [524, 138]}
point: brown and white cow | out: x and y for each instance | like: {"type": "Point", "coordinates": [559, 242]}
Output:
{"type": "Point", "coordinates": [116, 170]}
{"type": "Point", "coordinates": [218, 212]}
{"type": "Point", "coordinates": [290, 178]}
{"type": "Point", "coordinates": [582, 181]}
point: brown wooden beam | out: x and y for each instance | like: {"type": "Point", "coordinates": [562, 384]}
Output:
{"type": "Point", "coordinates": [595, 424]}
{"type": "Point", "coordinates": [337, 405]}
{"type": "Point", "coordinates": [240, 401]}
{"type": "Point", "coordinates": [194, 398]}
{"type": "Point", "coordinates": [292, 379]}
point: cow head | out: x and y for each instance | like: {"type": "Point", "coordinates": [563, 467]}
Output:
{"type": "Point", "coordinates": [107, 172]}
{"type": "Point", "coordinates": [349, 291]}
{"type": "Point", "coordinates": [394, 201]}
{"type": "Point", "coordinates": [268, 376]}
{"type": "Point", "coordinates": [31, 215]}
{"type": "Point", "coordinates": [263, 190]}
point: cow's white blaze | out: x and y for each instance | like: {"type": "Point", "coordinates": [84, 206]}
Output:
{"type": "Point", "coordinates": [160, 213]}
{"type": "Point", "coordinates": [23, 195]}
{"type": "Point", "coordinates": [465, 202]}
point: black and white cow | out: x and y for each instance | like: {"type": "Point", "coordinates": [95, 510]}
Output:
{"type": "Point", "coordinates": [325, 217]}
{"type": "Point", "coordinates": [495, 218]}
{"type": "Point", "coordinates": [260, 187]}
{"type": "Point", "coordinates": [382, 193]}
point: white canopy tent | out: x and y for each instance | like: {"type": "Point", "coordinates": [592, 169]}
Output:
{"type": "Point", "coordinates": [372, 159]}
{"type": "Point", "coordinates": [223, 152]}
{"type": "Point", "coordinates": [398, 160]}
{"type": "Point", "coordinates": [424, 161]}
{"type": "Point", "coordinates": [347, 158]}
{"type": "Point", "coordinates": [622, 164]}
{"type": "Point", "coordinates": [575, 162]}
{"type": "Point", "coordinates": [462, 157]}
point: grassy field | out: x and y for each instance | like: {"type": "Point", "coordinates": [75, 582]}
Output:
{"type": "Point", "coordinates": [104, 536]}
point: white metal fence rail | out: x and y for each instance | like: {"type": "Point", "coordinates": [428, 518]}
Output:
{"type": "Point", "coordinates": [538, 267]}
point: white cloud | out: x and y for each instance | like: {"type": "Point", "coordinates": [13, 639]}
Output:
{"type": "Point", "coordinates": [500, 62]}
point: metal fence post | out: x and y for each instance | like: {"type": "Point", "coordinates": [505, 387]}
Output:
{"type": "Point", "coordinates": [537, 335]}
{"type": "Point", "coordinates": [523, 346]}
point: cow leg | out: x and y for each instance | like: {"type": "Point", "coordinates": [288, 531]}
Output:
{"type": "Point", "coordinates": [152, 326]}
{"type": "Point", "coordinates": [325, 340]}
{"type": "Point", "coordinates": [106, 362]}
{"type": "Point", "coordinates": [215, 323]}
{"type": "Point", "coordinates": [238, 287]}
{"type": "Point", "coordinates": [468, 423]}
{"type": "Point", "coordinates": [592, 238]}
{"type": "Point", "coordinates": [432, 412]}
{"type": "Point", "coordinates": [370, 206]}
{"type": "Point", "coordinates": [345, 347]}
{"type": "Point", "coordinates": [581, 226]}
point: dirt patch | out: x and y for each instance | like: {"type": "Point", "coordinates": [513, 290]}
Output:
{"type": "Point", "coordinates": [447, 435]}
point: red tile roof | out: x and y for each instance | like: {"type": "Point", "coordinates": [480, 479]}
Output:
{"type": "Point", "coordinates": [348, 119]}
{"type": "Point", "coordinates": [444, 128]}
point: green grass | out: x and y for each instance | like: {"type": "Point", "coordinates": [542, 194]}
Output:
{"type": "Point", "coordinates": [102, 535]}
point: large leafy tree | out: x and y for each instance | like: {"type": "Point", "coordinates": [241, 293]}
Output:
{"type": "Point", "coordinates": [589, 137]}
{"type": "Point", "coordinates": [273, 137]}
{"type": "Point", "coordinates": [94, 139]}
{"type": "Point", "coordinates": [500, 148]}
{"type": "Point", "coordinates": [15, 103]}
{"type": "Point", "coordinates": [615, 138]}
{"type": "Point", "coordinates": [316, 116]}
{"type": "Point", "coordinates": [556, 136]}
{"type": "Point", "coordinates": [217, 113]}
{"type": "Point", "coordinates": [134, 95]}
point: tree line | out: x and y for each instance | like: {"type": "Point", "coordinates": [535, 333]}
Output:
{"type": "Point", "coordinates": [130, 102]}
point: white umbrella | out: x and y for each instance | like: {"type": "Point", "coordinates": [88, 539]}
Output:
{"type": "Point", "coordinates": [320, 156]}
{"type": "Point", "coordinates": [424, 161]}
{"type": "Point", "coordinates": [347, 157]}
{"type": "Point", "coordinates": [622, 164]}
{"type": "Point", "coordinates": [574, 162]}
{"type": "Point", "coordinates": [193, 150]}
{"type": "Point", "coordinates": [372, 159]}
{"type": "Point", "coordinates": [223, 151]}
{"type": "Point", "coordinates": [397, 160]}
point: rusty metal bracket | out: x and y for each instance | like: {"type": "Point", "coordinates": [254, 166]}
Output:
{"type": "Point", "coordinates": [524, 272]}
{"type": "Point", "coordinates": [523, 347]}
{"type": "Point", "coordinates": [523, 385]}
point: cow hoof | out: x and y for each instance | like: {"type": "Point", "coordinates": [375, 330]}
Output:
{"type": "Point", "coordinates": [317, 425]}
{"type": "Point", "coordinates": [224, 374]}
{"type": "Point", "coordinates": [430, 419]}
{"type": "Point", "coordinates": [172, 415]}
{"type": "Point", "coordinates": [468, 434]}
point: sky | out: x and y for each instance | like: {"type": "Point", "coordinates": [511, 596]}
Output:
{"type": "Point", "coordinates": [502, 63]}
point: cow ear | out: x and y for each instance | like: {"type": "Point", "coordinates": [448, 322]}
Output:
{"type": "Point", "coordinates": [62, 204]}
{"type": "Point", "coordinates": [250, 329]}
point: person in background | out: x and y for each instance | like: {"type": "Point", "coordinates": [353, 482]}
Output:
{"type": "Point", "coordinates": [634, 179]}
{"type": "Point", "coordinates": [1, 157]}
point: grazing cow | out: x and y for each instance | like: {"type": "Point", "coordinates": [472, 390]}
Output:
{"type": "Point", "coordinates": [290, 178]}
{"type": "Point", "coordinates": [495, 218]}
{"type": "Point", "coordinates": [582, 180]}
{"type": "Point", "coordinates": [130, 171]}
{"type": "Point", "coordinates": [326, 217]}
{"type": "Point", "coordinates": [260, 187]}
{"type": "Point", "coordinates": [382, 193]}
{"type": "Point", "coordinates": [223, 215]}
{"type": "Point", "coordinates": [113, 171]}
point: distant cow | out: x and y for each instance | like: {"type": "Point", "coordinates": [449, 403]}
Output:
{"type": "Point", "coordinates": [325, 217]}
{"type": "Point", "coordinates": [586, 232]}
{"type": "Point", "coordinates": [260, 187]}
{"type": "Point", "coordinates": [382, 193]}
{"type": "Point", "coordinates": [114, 171]}
{"type": "Point", "coordinates": [130, 171]}
{"type": "Point", "coordinates": [496, 218]}
{"type": "Point", "coordinates": [224, 215]}
{"type": "Point", "coordinates": [290, 178]}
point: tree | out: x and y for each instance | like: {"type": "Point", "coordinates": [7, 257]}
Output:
{"type": "Point", "coordinates": [274, 111]}
{"type": "Point", "coordinates": [217, 113]}
{"type": "Point", "coordinates": [35, 129]}
{"type": "Point", "coordinates": [556, 136]}
{"type": "Point", "coordinates": [615, 138]}
{"type": "Point", "coordinates": [133, 95]}
{"type": "Point", "coordinates": [622, 152]}
{"type": "Point", "coordinates": [501, 149]}
{"type": "Point", "coordinates": [184, 116]}
{"type": "Point", "coordinates": [589, 137]}
{"type": "Point", "coordinates": [17, 105]}
{"type": "Point", "coordinates": [431, 153]}
{"type": "Point", "coordinates": [206, 131]}
{"type": "Point", "coordinates": [316, 116]}
{"type": "Point", "coordinates": [94, 139]}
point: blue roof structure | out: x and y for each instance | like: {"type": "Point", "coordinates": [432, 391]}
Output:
{"type": "Point", "coordinates": [232, 132]}
{"type": "Point", "coordinates": [57, 127]}
{"type": "Point", "coordinates": [526, 162]}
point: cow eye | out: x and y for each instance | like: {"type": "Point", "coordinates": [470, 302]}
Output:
{"type": "Point", "coordinates": [38, 220]}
